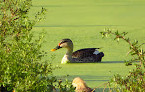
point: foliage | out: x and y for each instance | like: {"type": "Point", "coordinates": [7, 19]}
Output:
{"type": "Point", "coordinates": [22, 68]}
{"type": "Point", "coordinates": [64, 86]}
{"type": "Point", "coordinates": [135, 81]}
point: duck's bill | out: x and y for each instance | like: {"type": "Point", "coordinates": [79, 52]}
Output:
{"type": "Point", "coordinates": [58, 47]}
{"type": "Point", "coordinates": [53, 50]}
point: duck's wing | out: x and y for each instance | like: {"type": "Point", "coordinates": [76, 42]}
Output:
{"type": "Point", "coordinates": [83, 53]}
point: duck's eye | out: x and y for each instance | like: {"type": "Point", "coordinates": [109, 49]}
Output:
{"type": "Point", "coordinates": [63, 42]}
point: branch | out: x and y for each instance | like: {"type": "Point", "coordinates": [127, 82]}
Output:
{"type": "Point", "coordinates": [135, 48]}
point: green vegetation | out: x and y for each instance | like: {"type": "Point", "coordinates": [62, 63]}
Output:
{"type": "Point", "coordinates": [81, 21]}
{"type": "Point", "coordinates": [135, 81]}
{"type": "Point", "coordinates": [22, 67]}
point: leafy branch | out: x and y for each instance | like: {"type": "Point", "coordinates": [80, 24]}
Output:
{"type": "Point", "coordinates": [135, 48]}
{"type": "Point", "coordinates": [135, 81]}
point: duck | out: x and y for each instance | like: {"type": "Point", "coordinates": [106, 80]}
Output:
{"type": "Point", "coordinates": [86, 55]}
{"type": "Point", "coordinates": [80, 85]}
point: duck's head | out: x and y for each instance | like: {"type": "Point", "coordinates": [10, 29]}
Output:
{"type": "Point", "coordinates": [79, 83]}
{"type": "Point", "coordinates": [64, 43]}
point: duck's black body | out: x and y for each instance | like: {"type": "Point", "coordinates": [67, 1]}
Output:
{"type": "Point", "coordinates": [86, 55]}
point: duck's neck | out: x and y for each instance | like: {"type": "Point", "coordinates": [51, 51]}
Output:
{"type": "Point", "coordinates": [68, 56]}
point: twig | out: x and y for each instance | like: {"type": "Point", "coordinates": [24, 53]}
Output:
{"type": "Point", "coordinates": [100, 86]}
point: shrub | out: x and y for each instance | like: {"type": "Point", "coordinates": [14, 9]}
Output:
{"type": "Point", "coordinates": [135, 81]}
{"type": "Point", "coordinates": [21, 66]}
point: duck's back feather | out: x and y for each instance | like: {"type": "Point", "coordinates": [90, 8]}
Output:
{"type": "Point", "coordinates": [83, 53]}
{"type": "Point", "coordinates": [87, 55]}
